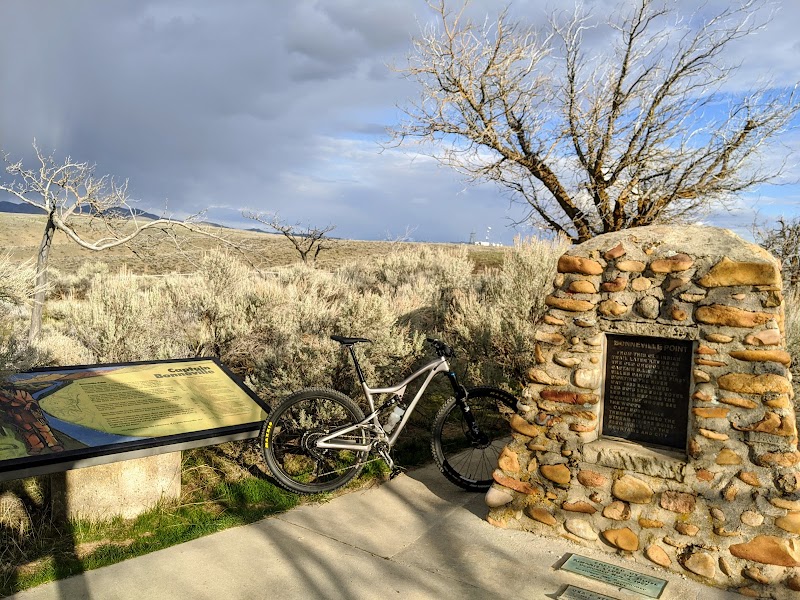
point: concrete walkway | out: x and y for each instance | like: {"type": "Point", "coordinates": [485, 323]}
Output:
{"type": "Point", "coordinates": [417, 536]}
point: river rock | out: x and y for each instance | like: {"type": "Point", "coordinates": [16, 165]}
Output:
{"type": "Point", "coordinates": [727, 456]}
{"type": "Point", "coordinates": [617, 285]}
{"type": "Point", "coordinates": [719, 338]}
{"type": "Point", "coordinates": [631, 489]}
{"type": "Point", "coordinates": [520, 425]}
{"type": "Point", "coordinates": [701, 563]}
{"type": "Point", "coordinates": [672, 264]}
{"type": "Point", "coordinates": [640, 284]}
{"type": "Point", "coordinates": [556, 339]}
{"type": "Point", "coordinates": [614, 252]}
{"type": "Point", "coordinates": [730, 316]}
{"type": "Point", "coordinates": [756, 575]}
{"type": "Point", "coordinates": [716, 412]}
{"type": "Point", "coordinates": [749, 478]}
{"type": "Point", "coordinates": [778, 356]}
{"type": "Point", "coordinates": [742, 383]}
{"type": "Point", "coordinates": [588, 378]}
{"type": "Point", "coordinates": [566, 360]}
{"type": "Point", "coordinates": [541, 376]}
{"type": "Point", "coordinates": [778, 459]}
{"type": "Point", "coordinates": [790, 522]}
{"type": "Point", "coordinates": [541, 515]}
{"type": "Point", "coordinates": [648, 307]}
{"type": "Point", "coordinates": [559, 474]}
{"type": "Point", "coordinates": [583, 529]}
{"type": "Point", "coordinates": [740, 402]}
{"type": "Point", "coordinates": [731, 273]}
{"type": "Point", "coordinates": [687, 529]}
{"type": "Point", "coordinates": [631, 266]}
{"type": "Point", "coordinates": [658, 555]}
{"type": "Point", "coordinates": [793, 583]}
{"type": "Point", "coordinates": [581, 266]}
{"type": "Point", "coordinates": [508, 461]}
{"type": "Point", "coordinates": [613, 308]}
{"type": "Point", "coordinates": [752, 518]}
{"type": "Point", "coordinates": [646, 523]}
{"type": "Point", "coordinates": [617, 511]}
{"type": "Point", "coordinates": [515, 484]}
{"type": "Point", "coordinates": [580, 506]}
{"type": "Point", "coordinates": [678, 502]}
{"type": "Point", "coordinates": [768, 337]}
{"type": "Point", "coordinates": [769, 550]}
{"type": "Point", "coordinates": [793, 505]}
{"type": "Point", "coordinates": [582, 286]}
{"type": "Point", "coordinates": [568, 304]}
{"type": "Point", "coordinates": [497, 497]}
{"type": "Point", "coordinates": [624, 539]}
{"type": "Point", "coordinates": [592, 479]}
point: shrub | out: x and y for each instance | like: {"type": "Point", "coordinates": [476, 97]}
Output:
{"type": "Point", "coordinates": [124, 318]}
{"type": "Point", "coordinates": [494, 322]}
{"type": "Point", "coordinates": [792, 329]}
{"type": "Point", "coordinates": [16, 289]}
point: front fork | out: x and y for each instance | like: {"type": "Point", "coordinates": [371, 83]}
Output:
{"type": "Point", "coordinates": [474, 431]}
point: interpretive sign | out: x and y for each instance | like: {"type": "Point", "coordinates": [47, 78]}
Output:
{"type": "Point", "coordinates": [63, 415]}
{"type": "Point", "coordinates": [649, 586]}
{"type": "Point", "coordinates": [646, 391]}
{"type": "Point", "coordinates": [576, 593]}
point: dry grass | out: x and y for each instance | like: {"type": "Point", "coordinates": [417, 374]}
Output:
{"type": "Point", "coordinates": [156, 254]}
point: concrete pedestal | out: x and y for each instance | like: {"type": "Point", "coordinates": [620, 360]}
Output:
{"type": "Point", "coordinates": [127, 488]}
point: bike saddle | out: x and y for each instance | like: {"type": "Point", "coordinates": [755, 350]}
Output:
{"type": "Point", "coordinates": [349, 341]}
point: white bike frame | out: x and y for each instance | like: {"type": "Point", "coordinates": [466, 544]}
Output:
{"type": "Point", "coordinates": [371, 422]}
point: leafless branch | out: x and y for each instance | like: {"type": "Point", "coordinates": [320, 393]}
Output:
{"type": "Point", "coordinates": [596, 142]}
{"type": "Point", "coordinates": [307, 240]}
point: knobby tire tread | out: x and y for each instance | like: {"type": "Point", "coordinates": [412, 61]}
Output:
{"type": "Point", "coordinates": [272, 426]}
{"type": "Point", "coordinates": [475, 474]}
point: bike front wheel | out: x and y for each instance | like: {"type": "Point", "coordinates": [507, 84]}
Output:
{"type": "Point", "coordinates": [289, 436]}
{"type": "Point", "coordinates": [469, 457]}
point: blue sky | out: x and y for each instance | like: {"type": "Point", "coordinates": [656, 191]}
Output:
{"type": "Point", "coordinates": [279, 106]}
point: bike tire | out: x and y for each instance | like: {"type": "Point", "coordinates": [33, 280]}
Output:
{"type": "Point", "coordinates": [287, 440]}
{"type": "Point", "coordinates": [462, 459]}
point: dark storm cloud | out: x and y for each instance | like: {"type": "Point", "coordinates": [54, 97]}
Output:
{"type": "Point", "coordinates": [275, 106]}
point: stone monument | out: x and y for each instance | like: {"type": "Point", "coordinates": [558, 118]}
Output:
{"type": "Point", "coordinates": [658, 421]}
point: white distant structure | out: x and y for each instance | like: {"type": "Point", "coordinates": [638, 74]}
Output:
{"type": "Point", "coordinates": [485, 242]}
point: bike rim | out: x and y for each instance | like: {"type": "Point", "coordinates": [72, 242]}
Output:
{"type": "Point", "coordinates": [293, 443]}
{"type": "Point", "coordinates": [471, 459]}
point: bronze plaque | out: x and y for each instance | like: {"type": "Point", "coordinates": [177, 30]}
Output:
{"type": "Point", "coordinates": [646, 391]}
{"type": "Point", "coordinates": [620, 577]}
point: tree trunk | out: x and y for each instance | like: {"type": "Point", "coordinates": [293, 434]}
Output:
{"type": "Point", "coordinates": [41, 280]}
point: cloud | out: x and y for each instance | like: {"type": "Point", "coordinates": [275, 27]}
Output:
{"type": "Point", "coordinates": [276, 106]}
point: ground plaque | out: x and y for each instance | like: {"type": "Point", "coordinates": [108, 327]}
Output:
{"type": "Point", "coordinates": [576, 593]}
{"type": "Point", "coordinates": [646, 391]}
{"type": "Point", "coordinates": [620, 577]}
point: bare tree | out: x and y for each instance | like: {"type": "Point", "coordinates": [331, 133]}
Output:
{"type": "Point", "coordinates": [593, 140]}
{"type": "Point", "coordinates": [65, 191]}
{"type": "Point", "coordinates": [307, 240]}
{"type": "Point", "coordinates": [783, 241]}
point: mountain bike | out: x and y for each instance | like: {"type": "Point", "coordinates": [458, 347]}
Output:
{"type": "Point", "coordinates": [318, 439]}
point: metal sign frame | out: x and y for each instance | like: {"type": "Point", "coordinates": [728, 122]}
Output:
{"type": "Point", "coordinates": [49, 461]}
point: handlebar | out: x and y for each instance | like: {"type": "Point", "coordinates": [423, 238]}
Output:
{"type": "Point", "coordinates": [441, 348]}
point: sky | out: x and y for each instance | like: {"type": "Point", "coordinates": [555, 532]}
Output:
{"type": "Point", "coordinates": [281, 107]}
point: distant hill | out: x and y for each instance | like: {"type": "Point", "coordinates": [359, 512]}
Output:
{"type": "Point", "coordinates": [14, 207]}
{"type": "Point", "coordinates": [27, 209]}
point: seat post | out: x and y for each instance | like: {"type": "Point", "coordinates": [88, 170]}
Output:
{"type": "Point", "coordinates": [355, 362]}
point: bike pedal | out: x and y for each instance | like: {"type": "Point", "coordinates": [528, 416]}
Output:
{"type": "Point", "coordinates": [396, 471]}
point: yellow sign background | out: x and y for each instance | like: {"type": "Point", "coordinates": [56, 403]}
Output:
{"type": "Point", "coordinates": [154, 400]}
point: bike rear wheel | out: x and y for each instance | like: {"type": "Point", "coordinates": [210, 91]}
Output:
{"type": "Point", "coordinates": [288, 441]}
{"type": "Point", "coordinates": [466, 459]}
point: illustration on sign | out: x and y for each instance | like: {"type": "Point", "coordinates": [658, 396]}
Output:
{"type": "Point", "coordinates": [61, 410]}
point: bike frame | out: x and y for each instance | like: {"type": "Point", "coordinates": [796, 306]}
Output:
{"type": "Point", "coordinates": [371, 421]}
